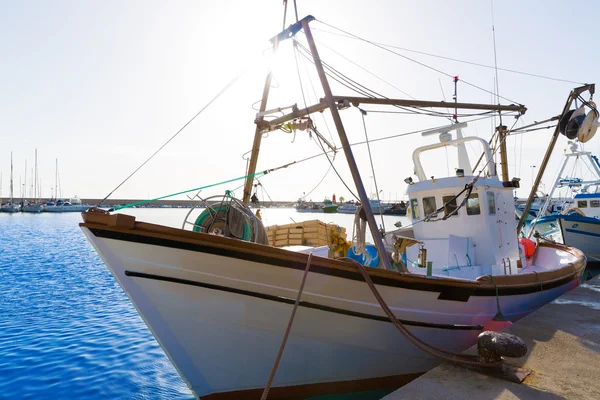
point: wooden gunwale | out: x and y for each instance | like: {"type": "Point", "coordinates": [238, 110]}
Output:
{"type": "Point", "coordinates": [121, 224]}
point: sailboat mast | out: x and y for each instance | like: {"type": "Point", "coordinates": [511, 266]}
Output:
{"type": "Point", "coordinates": [11, 178]}
{"type": "Point", "coordinates": [364, 199]}
{"type": "Point", "coordinates": [56, 180]}
{"type": "Point", "coordinates": [24, 184]}
{"type": "Point", "coordinates": [35, 179]}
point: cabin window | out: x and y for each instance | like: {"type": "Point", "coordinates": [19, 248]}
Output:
{"type": "Point", "coordinates": [429, 206]}
{"type": "Point", "coordinates": [595, 203]}
{"type": "Point", "coordinates": [491, 198]}
{"type": "Point", "coordinates": [473, 204]}
{"type": "Point", "coordinates": [582, 203]}
{"type": "Point", "coordinates": [414, 208]}
{"type": "Point", "coordinates": [450, 205]}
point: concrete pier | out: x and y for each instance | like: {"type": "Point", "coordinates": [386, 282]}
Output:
{"type": "Point", "coordinates": [563, 339]}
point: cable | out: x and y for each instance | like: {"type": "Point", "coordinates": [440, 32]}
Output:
{"type": "Point", "coordinates": [176, 133]}
{"type": "Point", "coordinates": [417, 62]}
{"type": "Point", "coordinates": [456, 59]}
{"type": "Point", "coordinates": [363, 113]}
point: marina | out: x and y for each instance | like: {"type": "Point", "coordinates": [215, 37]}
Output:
{"type": "Point", "coordinates": [294, 204]}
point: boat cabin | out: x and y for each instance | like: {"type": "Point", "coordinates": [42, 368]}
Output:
{"type": "Point", "coordinates": [466, 223]}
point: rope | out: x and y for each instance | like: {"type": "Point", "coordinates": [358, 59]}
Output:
{"type": "Point", "coordinates": [499, 313]}
{"type": "Point", "coordinates": [265, 393]}
{"type": "Point", "coordinates": [176, 133]}
{"type": "Point", "coordinates": [360, 230]}
{"type": "Point", "coordinates": [258, 174]}
{"type": "Point", "coordinates": [459, 358]}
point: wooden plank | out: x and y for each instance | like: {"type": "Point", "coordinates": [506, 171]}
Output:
{"type": "Point", "coordinates": [295, 236]}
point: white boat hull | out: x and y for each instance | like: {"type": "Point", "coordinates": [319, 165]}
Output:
{"type": "Point", "coordinates": [584, 236]}
{"type": "Point", "coordinates": [61, 209]}
{"type": "Point", "coordinates": [220, 319]}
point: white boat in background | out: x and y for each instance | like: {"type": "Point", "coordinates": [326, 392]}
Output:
{"type": "Point", "coordinates": [378, 207]}
{"type": "Point", "coordinates": [347, 208]}
{"type": "Point", "coordinates": [72, 205]}
{"type": "Point", "coordinates": [219, 305]}
{"type": "Point", "coordinates": [34, 206]}
{"type": "Point", "coordinates": [577, 226]}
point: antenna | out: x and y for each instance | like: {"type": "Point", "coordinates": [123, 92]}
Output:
{"type": "Point", "coordinates": [495, 59]}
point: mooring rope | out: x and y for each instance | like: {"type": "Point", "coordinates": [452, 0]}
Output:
{"type": "Point", "coordinates": [459, 358]}
{"type": "Point", "coordinates": [287, 331]}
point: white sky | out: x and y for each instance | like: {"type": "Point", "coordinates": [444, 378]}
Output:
{"type": "Point", "coordinates": [100, 85]}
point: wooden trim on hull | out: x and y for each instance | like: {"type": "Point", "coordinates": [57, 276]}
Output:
{"type": "Point", "coordinates": [314, 389]}
{"type": "Point", "coordinates": [125, 228]}
{"type": "Point", "coordinates": [302, 303]}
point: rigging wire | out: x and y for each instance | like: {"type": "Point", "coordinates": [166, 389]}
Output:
{"type": "Point", "coordinates": [176, 133]}
{"type": "Point", "coordinates": [363, 113]}
{"type": "Point", "coordinates": [416, 62]}
{"type": "Point", "coordinates": [364, 69]}
{"type": "Point", "coordinates": [513, 71]}
{"type": "Point", "coordinates": [312, 86]}
{"type": "Point", "coordinates": [363, 90]}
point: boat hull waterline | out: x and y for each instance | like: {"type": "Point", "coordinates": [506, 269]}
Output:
{"type": "Point", "coordinates": [220, 318]}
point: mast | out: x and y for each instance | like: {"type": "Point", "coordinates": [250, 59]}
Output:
{"type": "Point", "coordinates": [24, 184]}
{"type": "Point", "coordinates": [56, 180]}
{"type": "Point", "coordinates": [503, 156]}
{"type": "Point", "coordinates": [258, 131]}
{"type": "Point", "coordinates": [572, 96]}
{"type": "Point", "coordinates": [364, 199]}
{"type": "Point", "coordinates": [11, 179]}
{"type": "Point", "coordinates": [35, 180]}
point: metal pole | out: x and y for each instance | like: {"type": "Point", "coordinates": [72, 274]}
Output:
{"type": "Point", "coordinates": [258, 134]}
{"type": "Point", "coordinates": [346, 146]}
{"type": "Point", "coordinates": [538, 179]}
{"type": "Point", "coordinates": [503, 156]}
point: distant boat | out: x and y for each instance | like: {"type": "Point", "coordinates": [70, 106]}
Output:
{"type": "Point", "coordinates": [73, 205]}
{"type": "Point", "coordinates": [348, 208]}
{"type": "Point", "coordinates": [329, 208]}
{"type": "Point", "coordinates": [302, 206]}
{"type": "Point", "coordinates": [377, 207]}
{"type": "Point", "coordinates": [35, 206]}
{"type": "Point", "coordinates": [396, 209]}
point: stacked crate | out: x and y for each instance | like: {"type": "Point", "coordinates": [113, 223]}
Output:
{"type": "Point", "coordinates": [308, 233]}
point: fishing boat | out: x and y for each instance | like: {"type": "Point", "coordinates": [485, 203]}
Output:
{"type": "Point", "coordinates": [329, 207]}
{"type": "Point", "coordinates": [219, 298]}
{"type": "Point", "coordinates": [307, 207]}
{"type": "Point", "coordinates": [579, 225]}
{"type": "Point", "coordinates": [348, 208]}
{"type": "Point", "coordinates": [396, 209]}
{"type": "Point", "coordinates": [11, 207]}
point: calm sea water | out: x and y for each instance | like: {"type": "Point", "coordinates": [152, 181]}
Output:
{"type": "Point", "coordinates": [67, 330]}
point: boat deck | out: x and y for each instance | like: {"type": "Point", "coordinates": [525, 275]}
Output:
{"type": "Point", "coordinates": [564, 355]}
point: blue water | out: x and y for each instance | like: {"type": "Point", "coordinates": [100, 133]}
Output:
{"type": "Point", "coordinates": [67, 330]}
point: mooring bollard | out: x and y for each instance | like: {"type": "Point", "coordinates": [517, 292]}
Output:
{"type": "Point", "coordinates": [492, 346]}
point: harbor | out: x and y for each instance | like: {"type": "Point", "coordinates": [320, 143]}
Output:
{"type": "Point", "coordinates": [306, 201]}
{"type": "Point", "coordinates": [562, 339]}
